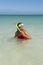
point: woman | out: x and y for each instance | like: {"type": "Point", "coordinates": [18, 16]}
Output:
{"type": "Point", "coordinates": [21, 32]}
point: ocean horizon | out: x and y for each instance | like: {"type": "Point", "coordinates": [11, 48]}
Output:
{"type": "Point", "coordinates": [24, 14]}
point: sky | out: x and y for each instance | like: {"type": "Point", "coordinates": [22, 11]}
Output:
{"type": "Point", "coordinates": [21, 6]}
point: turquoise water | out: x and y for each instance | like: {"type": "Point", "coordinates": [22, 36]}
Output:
{"type": "Point", "coordinates": [18, 52]}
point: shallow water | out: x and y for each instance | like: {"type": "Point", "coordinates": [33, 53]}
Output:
{"type": "Point", "coordinates": [21, 52]}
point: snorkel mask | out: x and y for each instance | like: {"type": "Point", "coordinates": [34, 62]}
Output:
{"type": "Point", "coordinates": [19, 25]}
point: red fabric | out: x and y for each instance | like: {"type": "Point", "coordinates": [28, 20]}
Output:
{"type": "Point", "coordinates": [22, 37]}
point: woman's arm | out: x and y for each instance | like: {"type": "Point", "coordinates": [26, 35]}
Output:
{"type": "Point", "coordinates": [16, 33]}
{"type": "Point", "coordinates": [26, 34]}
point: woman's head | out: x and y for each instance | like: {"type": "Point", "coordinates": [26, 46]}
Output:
{"type": "Point", "coordinates": [19, 26]}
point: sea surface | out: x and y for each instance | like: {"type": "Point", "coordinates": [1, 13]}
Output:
{"type": "Point", "coordinates": [21, 52]}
